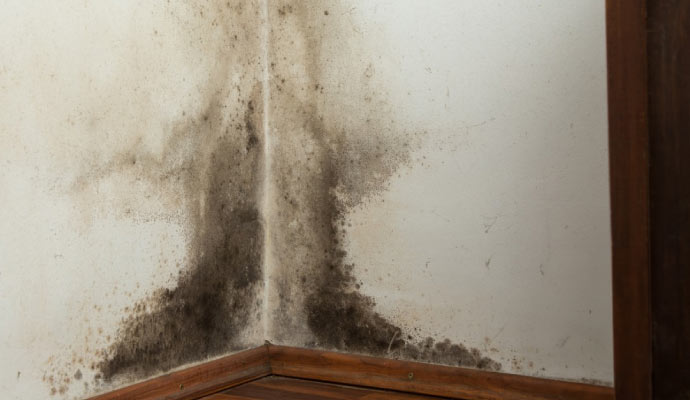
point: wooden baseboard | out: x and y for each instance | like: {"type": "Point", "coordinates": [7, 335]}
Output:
{"type": "Point", "coordinates": [421, 378]}
{"type": "Point", "coordinates": [380, 373]}
{"type": "Point", "coordinates": [200, 380]}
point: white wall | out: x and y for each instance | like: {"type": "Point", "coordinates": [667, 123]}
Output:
{"type": "Point", "coordinates": [499, 234]}
{"type": "Point", "coordinates": [464, 147]}
{"type": "Point", "coordinates": [489, 225]}
{"type": "Point", "coordinates": [105, 154]}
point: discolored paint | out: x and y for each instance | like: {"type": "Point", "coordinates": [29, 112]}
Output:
{"type": "Point", "coordinates": [338, 145]}
{"type": "Point", "coordinates": [265, 213]}
{"type": "Point", "coordinates": [332, 150]}
{"type": "Point", "coordinates": [213, 300]}
{"type": "Point", "coordinates": [206, 172]}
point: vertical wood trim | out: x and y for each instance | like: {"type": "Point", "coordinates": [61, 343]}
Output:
{"type": "Point", "coordinates": [626, 22]}
{"type": "Point", "coordinates": [668, 36]}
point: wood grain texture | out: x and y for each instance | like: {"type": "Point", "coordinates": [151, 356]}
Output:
{"type": "Point", "coordinates": [200, 380]}
{"type": "Point", "coordinates": [221, 396]}
{"type": "Point", "coordinates": [234, 371]}
{"type": "Point", "coordinates": [629, 175]}
{"type": "Point", "coordinates": [668, 38]}
{"type": "Point", "coordinates": [426, 379]}
{"type": "Point", "coordinates": [275, 387]}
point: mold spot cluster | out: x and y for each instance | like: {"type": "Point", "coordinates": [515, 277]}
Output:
{"type": "Point", "coordinates": [212, 163]}
{"type": "Point", "coordinates": [334, 148]}
{"type": "Point", "coordinates": [342, 318]}
{"type": "Point", "coordinates": [215, 298]}
{"type": "Point", "coordinates": [341, 146]}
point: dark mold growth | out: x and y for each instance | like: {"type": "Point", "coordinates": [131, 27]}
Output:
{"type": "Point", "coordinates": [213, 161]}
{"type": "Point", "coordinates": [337, 314]}
{"type": "Point", "coordinates": [354, 148]}
{"type": "Point", "coordinates": [333, 153]}
{"type": "Point", "coordinates": [252, 138]}
{"type": "Point", "coordinates": [216, 297]}
{"type": "Point", "coordinates": [344, 319]}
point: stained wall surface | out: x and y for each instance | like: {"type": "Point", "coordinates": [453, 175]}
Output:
{"type": "Point", "coordinates": [416, 180]}
{"type": "Point", "coordinates": [132, 155]}
{"type": "Point", "coordinates": [440, 185]}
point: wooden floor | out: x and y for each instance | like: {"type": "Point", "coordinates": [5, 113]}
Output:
{"type": "Point", "coordinates": [275, 387]}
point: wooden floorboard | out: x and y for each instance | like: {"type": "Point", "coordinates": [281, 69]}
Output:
{"type": "Point", "coordinates": [275, 387]}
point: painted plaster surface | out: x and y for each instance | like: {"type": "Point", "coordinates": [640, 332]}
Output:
{"type": "Point", "coordinates": [463, 146]}
{"type": "Point", "coordinates": [131, 236]}
{"type": "Point", "coordinates": [414, 180]}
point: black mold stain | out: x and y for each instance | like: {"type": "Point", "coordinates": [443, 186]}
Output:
{"type": "Point", "coordinates": [212, 302]}
{"type": "Point", "coordinates": [209, 171]}
{"type": "Point", "coordinates": [252, 137]}
{"type": "Point", "coordinates": [217, 295]}
{"type": "Point", "coordinates": [349, 164]}
{"type": "Point", "coordinates": [342, 318]}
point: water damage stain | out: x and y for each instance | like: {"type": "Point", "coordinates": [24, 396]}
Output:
{"type": "Point", "coordinates": [340, 145]}
{"type": "Point", "coordinates": [215, 298]}
{"type": "Point", "coordinates": [334, 146]}
{"type": "Point", "coordinates": [209, 168]}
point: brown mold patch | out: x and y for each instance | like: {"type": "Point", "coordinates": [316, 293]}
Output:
{"type": "Point", "coordinates": [206, 173]}
{"type": "Point", "coordinates": [217, 45]}
{"type": "Point", "coordinates": [340, 143]}
{"type": "Point", "coordinates": [197, 167]}
{"type": "Point", "coordinates": [216, 297]}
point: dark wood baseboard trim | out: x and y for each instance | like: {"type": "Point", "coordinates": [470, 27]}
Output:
{"type": "Point", "coordinates": [200, 380]}
{"type": "Point", "coordinates": [421, 378]}
{"type": "Point", "coordinates": [373, 372]}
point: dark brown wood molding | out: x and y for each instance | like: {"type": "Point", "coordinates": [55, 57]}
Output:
{"type": "Point", "coordinates": [668, 52]}
{"type": "Point", "coordinates": [379, 373]}
{"type": "Point", "coordinates": [421, 378]}
{"type": "Point", "coordinates": [199, 380]}
{"type": "Point", "coordinates": [626, 22]}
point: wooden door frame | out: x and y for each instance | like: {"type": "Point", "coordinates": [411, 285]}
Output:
{"type": "Point", "coordinates": [630, 207]}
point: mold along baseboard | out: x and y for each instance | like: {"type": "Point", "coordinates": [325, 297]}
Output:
{"type": "Point", "coordinates": [374, 372]}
